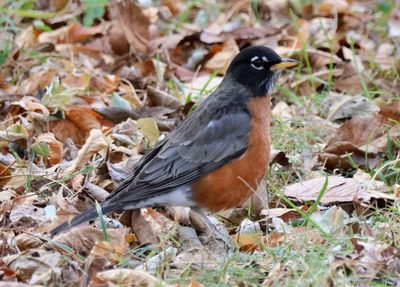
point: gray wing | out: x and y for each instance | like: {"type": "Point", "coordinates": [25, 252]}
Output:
{"type": "Point", "coordinates": [209, 138]}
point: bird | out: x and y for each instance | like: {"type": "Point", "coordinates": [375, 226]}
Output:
{"type": "Point", "coordinates": [217, 156]}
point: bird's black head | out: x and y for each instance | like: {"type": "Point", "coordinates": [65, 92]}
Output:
{"type": "Point", "coordinates": [257, 68]}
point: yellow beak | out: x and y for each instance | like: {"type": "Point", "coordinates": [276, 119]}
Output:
{"type": "Point", "coordinates": [285, 63]}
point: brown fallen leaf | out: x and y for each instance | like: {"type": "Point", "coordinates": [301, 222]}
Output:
{"type": "Point", "coordinates": [66, 129]}
{"type": "Point", "coordinates": [84, 238]}
{"type": "Point", "coordinates": [286, 214]}
{"type": "Point", "coordinates": [134, 23]}
{"type": "Point", "coordinates": [150, 226]}
{"type": "Point", "coordinates": [161, 98]}
{"type": "Point", "coordinates": [128, 277]}
{"type": "Point", "coordinates": [298, 237]}
{"type": "Point", "coordinates": [25, 241]}
{"type": "Point", "coordinates": [113, 249]}
{"type": "Point", "coordinates": [221, 60]}
{"type": "Point", "coordinates": [74, 32]}
{"type": "Point", "coordinates": [84, 118]}
{"type": "Point", "coordinates": [28, 38]}
{"type": "Point", "coordinates": [350, 107]}
{"type": "Point", "coordinates": [35, 82]}
{"type": "Point", "coordinates": [55, 148]}
{"type": "Point", "coordinates": [35, 109]}
{"type": "Point", "coordinates": [320, 59]}
{"type": "Point", "coordinates": [390, 111]}
{"type": "Point", "coordinates": [195, 284]}
{"type": "Point", "coordinates": [248, 241]}
{"type": "Point", "coordinates": [348, 140]}
{"type": "Point", "coordinates": [94, 144]}
{"type": "Point", "coordinates": [35, 266]}
{"type": "Point", "coordinates": [348, 82]}
{"type": "Point", "coordinates": [371, 259]}
{"type": "Point", "coordinates": [105, 83]}
{"type": "Point", "coordinates": [5, 174]}
{"type": "Point", "coordinates": [332, 7]}
{"type": "Point", "coordinates": [79, 82]}
{"type": "Point", "coordinates": [339, 189]}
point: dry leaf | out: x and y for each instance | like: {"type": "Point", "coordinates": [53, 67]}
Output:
{"type": "Point", "coordinates": [221, 60]}
{"type": "Point", "coordinates": [339, 189]}
{"type": "Point", "coordinates": [76, 81]}
{"type": "Point", "coordinates": [35, 82]}
{"type": "Point", "coordinates": [349, 138]}
{"type": "Point", "coordinates": [332, 7]}
{"type": "Point", "coordinates": [350, 107]}
{"type": "Point", "coordinates": [348, 82]}
{"type": "Point", "coordinates": [35, 266]}
{"type": "Point", "coordinates": [25, 241]}
{"type": "Point", "coordinates": [84, 118]}
{"type": "Point", "coordinates": [286, 214]}
{"type": "Point", "coordinates": [111, 250]}
{"type": "Point", "coordinates": [154, 264]}
{"type": "Point", "coordinates": [55, 147]}
{"type": "Point", "coordinates": [128, 277]}
{"type": "Point", "coordinates": [84, 238]}
{"type": "Point", "coordinates": [133, 23]}
{"type": "Point", "coordinates": [161, 98]}
{"type": "Point", "coordinates": [248, 241]}
{"type": "Point", "coordinates": [148, 127]}
{"type": "Point", "coordinates": [74, 32]}
{"type": "Point", "coordinates": [390, 111]}
{"type": "Point", "coordinates": [35, 109]}
{"type": "Point", "coordinates": [150, 226]}
{"type": "Point", "coordinates": [66, 129]}
{"type": "Point", "coordinates": [94, 144]}
{"type": "Point", "coordinates": [5, 174]}
{"type": "Point", "coordinates": [332, 221]}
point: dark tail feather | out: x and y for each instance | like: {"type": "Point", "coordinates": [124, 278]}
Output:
{"type": "Point", "coordinates": [82, 218]}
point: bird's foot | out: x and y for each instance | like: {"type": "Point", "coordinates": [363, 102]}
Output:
{"type": "Point", "coordinates": [202, 222]}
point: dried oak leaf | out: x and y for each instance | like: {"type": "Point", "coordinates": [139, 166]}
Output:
{"type": "Point", "coordinates": [66, 129]}
{"type": "Point", "coordinates": [349, 138]}
{"type": "Point", "coordinates": [35, 266]}
{"type": "Point", "coordinates": [5, 174]}
{"type": "Point", "coordinates": [339, 189]}
{"type": "Point", "coordinates": [84, 238]}
{"type": "Point", "coordinates": [35, 82]}
{"type": "Point", "coordinates": [390, 111]}
{"type": "Point", "coordinates": [84, 118]}
{"type": "Point", "coordinates": [55, 148]}
{"type": "Point", "coordinates": [149, 225]}
{"type": "Point", "coordinates": [134, 23]}
{"type": "Point", "coordinates": [128, 277]}
{"type": "Point", "coordinates": [94, 143]}
{"type": "Point", "coordinates": [25, 241]}
{"type": "Point", "coordinates": [72, 33]}
{"type": "Point", "coordinates": [221, 60]}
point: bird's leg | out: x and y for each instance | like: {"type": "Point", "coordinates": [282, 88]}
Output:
{"type": "Point", "coordinates": [201, 220]}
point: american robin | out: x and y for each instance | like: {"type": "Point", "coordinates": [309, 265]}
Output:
{"type": "Point", "coordinates": [217, 156]}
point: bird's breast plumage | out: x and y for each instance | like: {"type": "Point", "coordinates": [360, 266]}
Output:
{"type": "Point", "coordinates": [232, 184]}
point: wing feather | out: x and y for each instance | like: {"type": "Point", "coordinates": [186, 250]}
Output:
{"type": "Point", "coordinates": [192, 150]}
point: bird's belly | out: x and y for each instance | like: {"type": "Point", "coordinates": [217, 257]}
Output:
{"type": "Point", "coordinates": [232, 184]}
{"type": "Point", "coordinates": [181, 196]}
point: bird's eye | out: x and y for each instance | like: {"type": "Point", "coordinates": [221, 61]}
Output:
{"type": "Point", "coordinates": [257, 63]}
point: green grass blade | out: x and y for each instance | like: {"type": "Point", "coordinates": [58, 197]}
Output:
{"type": "Point", "coordinates": [102, 222]}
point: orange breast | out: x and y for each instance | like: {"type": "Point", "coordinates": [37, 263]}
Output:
{"type": "Point", "coordinates": [232, 184]}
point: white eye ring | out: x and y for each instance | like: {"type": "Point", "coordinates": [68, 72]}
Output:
{"type": "Point", "coordinates": [256, 63]}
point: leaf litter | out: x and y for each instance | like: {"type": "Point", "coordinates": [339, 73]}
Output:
{"type": "Point", "coordinates": [86, 91]}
